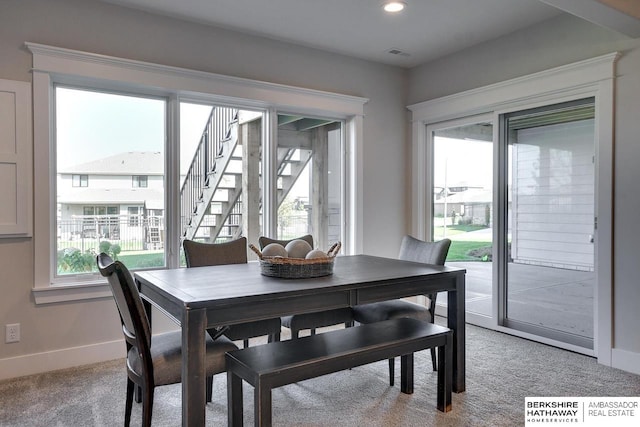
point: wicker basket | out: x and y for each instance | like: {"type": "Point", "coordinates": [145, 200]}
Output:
{"type": "Point", "coordinates": [297, 268]}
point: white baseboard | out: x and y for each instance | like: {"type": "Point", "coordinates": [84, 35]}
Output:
{"type": "Point", "coordinates": [626, 360]}
{"type": "Point", "coordinates": [37, 363]}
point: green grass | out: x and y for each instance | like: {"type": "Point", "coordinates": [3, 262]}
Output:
{"type": "Point", "coordinates": [142, 260]}
{"type": "Point", "coordinates": [459, 250]}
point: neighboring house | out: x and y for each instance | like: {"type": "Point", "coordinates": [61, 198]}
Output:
{"type": "Point", "coordinates": [467, 205]}
{"type": "Point", "coordinates": [117, 198]}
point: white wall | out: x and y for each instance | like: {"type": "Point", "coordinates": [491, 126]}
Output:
{"type": "Point", "coordinates": [556, 42]}
{"type": "Point", "coordinates": [62, 330]}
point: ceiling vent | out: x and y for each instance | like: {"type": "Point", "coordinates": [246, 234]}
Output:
{"type": "Point", "coordinates": [396, 51]}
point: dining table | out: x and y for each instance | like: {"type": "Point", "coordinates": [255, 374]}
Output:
{"type": "Point", "coordinates": [206, 297]}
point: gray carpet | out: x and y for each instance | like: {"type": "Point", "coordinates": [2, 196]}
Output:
{"type": "Point", "coordinates": [501, 371]}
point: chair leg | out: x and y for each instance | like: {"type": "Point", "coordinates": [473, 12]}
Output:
{"type": "Point", "coordinates": [295, 334]}
{"type": "Point", "coordinates": [129, 402]}
{"type": "Point", "coordinates": [313, 331]}
{"type": "Point", "coordinates": [147, 406]}
{"type": "Point", "coordinates": [274, 337]}
{"type": "Point", "coordinates": [245, 343]}
{"type": "Point", "coordinates": [138, 394]}
{"type": "Point", "coordinates": [209, 388]}
{"type": "Point", "coordinates": [433, 359]}
{"type": "Point", "coordinates": [392, 374]}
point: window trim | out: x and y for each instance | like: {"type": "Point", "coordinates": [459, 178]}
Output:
{"type": "Point", "coordinates": [54, 65]}
{"type": "Point", "coordinates": [593, 77]}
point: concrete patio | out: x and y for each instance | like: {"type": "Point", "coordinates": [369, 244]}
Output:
{"type": "Point", "coordinates": [555, 298]}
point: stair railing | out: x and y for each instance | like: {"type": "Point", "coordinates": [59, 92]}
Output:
{"type": "Point", "coordinates": [203, 164]}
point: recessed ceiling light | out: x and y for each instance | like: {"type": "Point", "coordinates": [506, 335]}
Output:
{"type": "Point", "coordinates": [394, 6]}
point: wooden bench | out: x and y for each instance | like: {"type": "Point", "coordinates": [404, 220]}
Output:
{"type": "Point", "coordinates": [275, 364]}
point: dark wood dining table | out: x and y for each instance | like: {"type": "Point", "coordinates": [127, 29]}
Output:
{"type": "Point", "coordinates": [204, 297]}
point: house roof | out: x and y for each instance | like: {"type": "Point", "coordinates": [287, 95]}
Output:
{"type": "Point", "coordinates": [150, 197]}
{"type": "Point", "coordinates": [127, 163]}
{"type": "Point", "coordinates": [474, 195]}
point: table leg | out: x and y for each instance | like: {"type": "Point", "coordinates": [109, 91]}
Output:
{"type": "Point", "coordinates": [456, 322]}
{"type": "Point", "coordinates": [193, 367]}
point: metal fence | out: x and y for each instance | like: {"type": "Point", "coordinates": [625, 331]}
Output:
{"type": "Point", "coordinates": [130, 232]}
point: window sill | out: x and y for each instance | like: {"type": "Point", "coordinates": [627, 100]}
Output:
{"type": "Point", "coordinates": [63, 293]}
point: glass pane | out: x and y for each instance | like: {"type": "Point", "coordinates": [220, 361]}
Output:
{"type": "Point", "coordinates": [102, 140]}
{"type": "Point", "coordinates": [550, 274]}
{"type": "Point", "coordinates": [220, 181]}
{"type": "Point", "coordinates": [462, 206]}
{"type": "Point", "coordinates": [309, 179]}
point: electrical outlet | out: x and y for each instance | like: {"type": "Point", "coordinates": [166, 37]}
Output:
{"type": "Point", "coordinates": [12, 333]}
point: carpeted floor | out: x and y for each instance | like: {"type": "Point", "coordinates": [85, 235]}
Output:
{"type": "Point", "coordinates": [501, 371]}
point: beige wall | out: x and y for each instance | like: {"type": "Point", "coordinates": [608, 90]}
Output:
{"type": "Point", "coordinates": [102, 28]}
{"type": "Point", "coordinates": [556, 42]}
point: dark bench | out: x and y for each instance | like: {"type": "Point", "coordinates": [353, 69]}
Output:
{"type": "Point", "coordinates": [275, 364]}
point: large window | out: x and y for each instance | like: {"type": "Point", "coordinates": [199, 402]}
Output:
{"type": "Point", "coordinates": [126, 124]}
{"type": "Point", "coordinates": [111, 137]}
{"type": "Point", "coordinates": [310, 160]}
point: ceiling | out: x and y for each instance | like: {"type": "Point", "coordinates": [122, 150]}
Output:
{"type": "Point", "coordinates": [424, 31]}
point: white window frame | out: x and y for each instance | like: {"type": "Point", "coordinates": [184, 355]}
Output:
{"type": "Point", "coordinates": [590, 78]}
{"type": "Point", "coordinates": [52, 65]}
{"type": "Point", "coordinates": [138, 180]}
{"type": "Point", "coordinates": [79, 180]}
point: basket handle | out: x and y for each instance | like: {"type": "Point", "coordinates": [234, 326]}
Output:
{"type": "Point", "coordinates": [334, 249]}
{"type": "Point", "coordinates": [256, 250]}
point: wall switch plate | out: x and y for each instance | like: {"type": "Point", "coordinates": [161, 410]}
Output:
{"type": "Point", "coordinates": [12, 333]}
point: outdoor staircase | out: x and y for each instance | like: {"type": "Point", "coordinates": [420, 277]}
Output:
{"type": "Point", "coordinates": [211, 195]}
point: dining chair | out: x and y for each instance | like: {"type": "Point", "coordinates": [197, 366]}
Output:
{"type": "Point", "coordinates": [318, 319]}
{"type": "Point", "coordinates": [234, 252]}
{"type": "Point", "coordinates": [152, 360]}
{"type": "Point", "coordinates": [415, 250]}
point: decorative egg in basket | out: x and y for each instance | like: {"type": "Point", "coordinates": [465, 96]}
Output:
{"type": "Point", "coordinates": [315, 254]}
{"type": "Point", "coordinates": [297, 248]}
{"type": "Point", "coordinates": [274, 249]}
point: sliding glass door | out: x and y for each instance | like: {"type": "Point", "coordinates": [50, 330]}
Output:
{"type": "Point", "coordinates": [462, 207]}
{"type": "Point", "coordinates": [519, 205]}
{"type": "Point", "coordinates": [549, 240]}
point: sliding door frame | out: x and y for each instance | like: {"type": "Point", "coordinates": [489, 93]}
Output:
{"type": "Point", "coordinates": [590, 78]}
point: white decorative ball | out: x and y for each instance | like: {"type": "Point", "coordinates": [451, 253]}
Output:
{"type": "Point", "coordinates": [298, 248]}
{"type": "Point", "coordinates": [316, 253]}
{"type": "Point", "coordinates": [274, 249]}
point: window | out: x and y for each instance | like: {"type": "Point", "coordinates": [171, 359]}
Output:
{"type": "Point", "coordinates": [128, 138]}
{"type": "Point", "coordinates": [143, 118]}
{"type": "Point", "coordinates": [309, 178]}
{"type": "Point", "coordinates": [139, 181]}
{"type": "Point", "coordinates": [133, 213]}
{"type": "Point", "coordinates": [80, 180]}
